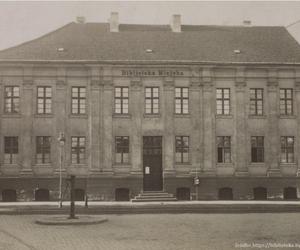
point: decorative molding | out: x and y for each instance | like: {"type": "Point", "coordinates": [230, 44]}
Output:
{"type": "Point", "coordinates": [28, 83]}
{"type": "Point", "coordinates": [240, 86]}
{"type": "Point", "coordinates": [207, 75]}
{"type": "Point", "coordinates": [195, 83]}
{"type": "Point", "coordinates": [61, 84]}
{"type": "Point", "coordinates": [240, 75]}
{"type": "Point", "coordinates": [272, 85]}
{"type": "Point", "coordinates": [272, 77]}
{"type": "Point", "coordinates": [207, 87]}
{"type": "Point", "coordinates": [136, 83]}
{"type": "Point", "coordinates": [297, 85]}
{"type": "Point", "coordinates": [95, 84]}
{"type": "Point", "coordinates": [107, 83]}
{"type": "Point", "coordinates": [195, 71]}
{"type": "Point", "coordinates": [168, 83]}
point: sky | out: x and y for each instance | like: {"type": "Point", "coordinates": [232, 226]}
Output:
{"type": "Point", "coordinates": [22, 21]}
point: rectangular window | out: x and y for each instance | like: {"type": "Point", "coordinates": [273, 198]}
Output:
{"type": "Point", "coordinates": [224, 149]}
{"type": "Point", "coordinates": [181, 100]}
{"type": "Point", "coordinates": [12, 99]}
{"type": "Point", "coordinates": [223, 101]}
{"type": "Point", "coordinates": [257, 148]}
{"type": "Point", "coordinates": [44, 100]}
{"type": "Point", "coordinates": [182, 149]}
{"type": "Point", "coordinates": [286, 101]}
{"type": "Point", "coordinates": [287, 149]}
{"type": "Point", "coordinates": [11, 149]}
{"type": "Point", "coordinates": [256, 101]}
{"type": "Point", "coordinates": [78, 149]}
{"type": "Point", "coordinates": [43, 149]}
{"type": "Point", "coordinates": [122, 149]}
{"type": "Point", "coordinates": [152, 100]}
{"type": "Point", "coordinates": [121, 100]}
{"type": "Point", "coordinates": [78, 100]}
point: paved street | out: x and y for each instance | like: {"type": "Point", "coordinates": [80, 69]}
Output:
{"type": "Point", "coordinates": [159, 232]}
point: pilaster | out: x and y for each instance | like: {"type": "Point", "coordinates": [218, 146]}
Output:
{"type": "Point", "coordinates": [94, 124]}
{"type": "Point", "coordinates": [297, 90]}
{"type": "Point", "coordinates": [168, 93]}
{"type": "Point", "coordinates": [107, 129]}
{"type": "Point", "coordinates": [208, 132]}
{"type": "Point", "coordinates": [240, 126]}
{"type": "Point", "coordinates": [195, 107]}
{"type": "Point", "coordinates": [272, 130]}
{"type": "Point", "coordinates": [136, 102]}
{"type": "Point", "coordinates": [26, 105]}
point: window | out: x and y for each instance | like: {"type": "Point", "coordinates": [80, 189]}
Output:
{"type": "Point", "coordinates": [152, 100]}
{"type": "Point", "coordinates": [256, 101]}
{"type": "Point", "coordinates": [44, 100]}
{"type": "Point", "coordinates": [43, 149]}
{"type": "Point", "coordinates": [223, 101]}
{"type": "Point", "coordinates": [286, 101]}
{"type": "Point", "coordinates": [121, 100]}
{"type": "Point", "coordinates": [182, 149]}
{"type": "Point", "coordinates": [224, 149]}
{"type": "Point", "coordinates": [78, 149]}
{"type": "Point", "coordinates": [287, 149]}
{"type": "Point", "coordinates": [181, 100]}
{"type": "Point", "coordinates": [257, 148]}
{"type": "Point", "coordinates": [122, 149]}
{"type": "Point", "coordinates": [78, 100]}
{"type": "Point", "coordinates": [12, 99]}
{"type": "Point", "coordinates": [11, 149]}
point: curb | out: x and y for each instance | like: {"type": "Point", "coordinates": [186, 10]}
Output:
{"type": "Point", "coordinates": [65, 221]}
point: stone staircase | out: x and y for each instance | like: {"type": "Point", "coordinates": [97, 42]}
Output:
{"type": "Point", "coordinates": [148, 196]}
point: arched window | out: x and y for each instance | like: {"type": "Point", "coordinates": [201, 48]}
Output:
{"type": "Point", "coordinates": [79, 194]}
{"type": "Point", "coordinates": [260, 193]}
{"type": "Point", "coordinates": [290, 193]}
{"type": "Point", "coordinates": [9, 195]}
{"type": "Point", "coordinates": [225, 194]}
{"type": "Point", "coordinates": [42, 194]}
{"type": "Point", "coordinates": [183, 194]}
{"type": "Point", "coordinates": [122, 194]}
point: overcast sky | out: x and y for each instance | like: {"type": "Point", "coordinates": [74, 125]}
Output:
{"type": "Point", "coordinates": [23, 21]}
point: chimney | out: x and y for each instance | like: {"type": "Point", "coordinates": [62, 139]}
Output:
{"type": "Point", "coordinates": [176, 23]}
{"type": "Point", "coordinates": [114, 22]}
{"type": "Point", "coordinates": [247, 22]}
{"type": "Point", "coordinates": [80, 19]}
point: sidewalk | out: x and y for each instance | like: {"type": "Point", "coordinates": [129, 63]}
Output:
{"type": "Point", "coordinates": [113, 207]}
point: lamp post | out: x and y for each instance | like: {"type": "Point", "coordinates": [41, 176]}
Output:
{"type": "Point", "coordinates": [61, 139]}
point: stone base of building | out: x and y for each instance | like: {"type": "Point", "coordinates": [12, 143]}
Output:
{"type": "Point", "coordinates": [125, 188]}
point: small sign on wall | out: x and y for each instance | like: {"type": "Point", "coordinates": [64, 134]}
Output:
{"type": "Point", "coordinates": [147, 170]}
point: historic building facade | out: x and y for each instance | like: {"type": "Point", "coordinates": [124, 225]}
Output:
{"type": "Point", "coordinates": [152, 122]}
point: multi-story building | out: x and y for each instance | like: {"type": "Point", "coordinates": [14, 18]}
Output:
{"type": "Point", "coordinates": [151, 107]}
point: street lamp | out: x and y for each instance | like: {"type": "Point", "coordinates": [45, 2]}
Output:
{"type": "Point", "coordinates": [61, 139]}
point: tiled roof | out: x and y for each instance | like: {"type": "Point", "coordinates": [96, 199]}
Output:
{"type": "Point", "coordinates": [94, 41]}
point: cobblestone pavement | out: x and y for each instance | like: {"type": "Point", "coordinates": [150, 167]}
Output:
{"type": "Point", "coordinates": [159, 232]}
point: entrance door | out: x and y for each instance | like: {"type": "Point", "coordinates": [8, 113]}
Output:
{"type": "Point", "coordinates": [152, 163]}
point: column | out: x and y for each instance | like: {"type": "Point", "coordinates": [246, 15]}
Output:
{"type": "Point", "coordinates": [168, 140]}
{"type": "Point", "coordinates": [196, 117]}
{"type": "Point", "coordinates": [94, 125]}
{"type": "Point", "coordinates": [136, 137]}
{"type": "Point", "coordinates": [273, 142]}
{"type": "Point", "coordinates": [240, 119]}
{"type": "Point", "coordinates": [107, 130]}
{"type": "Point", "coordinates": [208, 123]}
{"type": "Point", "coordinates": [27, 118]}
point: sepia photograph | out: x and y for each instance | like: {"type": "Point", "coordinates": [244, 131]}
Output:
{"type": "Point", "coordinates": [149, 125]}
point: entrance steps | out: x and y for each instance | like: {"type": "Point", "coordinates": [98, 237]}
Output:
{"type": "Point", "coordinates": [148, 196]}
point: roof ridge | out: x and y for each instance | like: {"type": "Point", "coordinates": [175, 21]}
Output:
{"type": "Point", "coordinates": [36, 39]}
